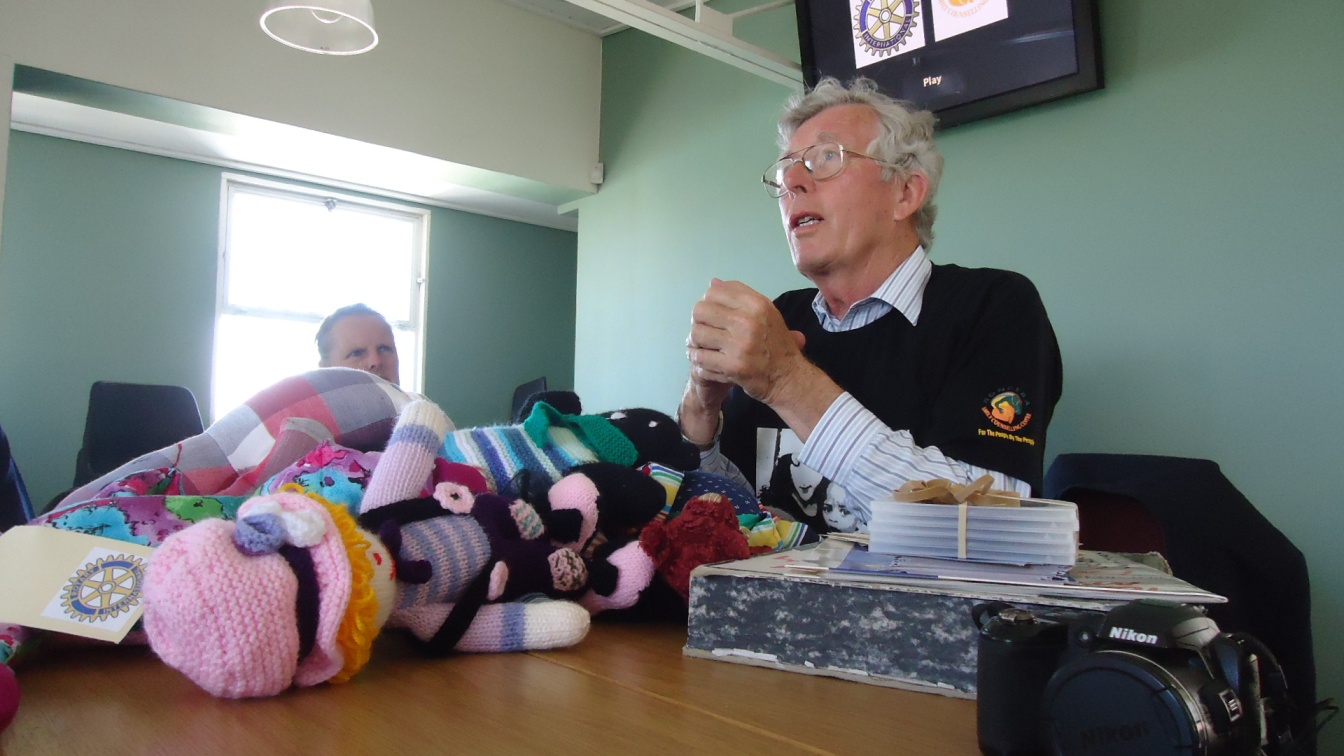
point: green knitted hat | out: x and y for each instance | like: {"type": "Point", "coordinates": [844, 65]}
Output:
{"type": "Point", "coordinates": [596, 432]}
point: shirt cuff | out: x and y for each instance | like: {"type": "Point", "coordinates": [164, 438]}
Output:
{"type": "Point", "coordinates": [838, 441]}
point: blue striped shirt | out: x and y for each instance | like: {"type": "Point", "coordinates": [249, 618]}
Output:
{"type": "Point", "coordinates": [850, 445]}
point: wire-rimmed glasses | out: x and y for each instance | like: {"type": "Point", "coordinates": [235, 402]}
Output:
{"type": "Point", "coordinates": [824, 160]}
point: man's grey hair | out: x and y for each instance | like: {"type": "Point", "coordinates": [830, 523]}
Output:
{"type": "Point", "coordinates": [904, 137]}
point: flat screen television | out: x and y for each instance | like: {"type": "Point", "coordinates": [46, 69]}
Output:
{"type": "Point", "coordinates": [962, 59]}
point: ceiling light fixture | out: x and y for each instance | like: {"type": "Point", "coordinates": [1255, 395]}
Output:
{"type": "Point", "coordinates": [329, 27]}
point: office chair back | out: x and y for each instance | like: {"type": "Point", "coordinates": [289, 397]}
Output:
{"type": "Point", "coordinates": [15, 506]}
{"type": "Point", "coordinates": [126, 420]}
{"type": "Point", "coordinates": [1212, 536]}
{"type": "Point", "coordinates": [521, 394]}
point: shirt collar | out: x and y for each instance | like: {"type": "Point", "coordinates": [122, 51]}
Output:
{"type": "Point", "coordinates": [903, 290]}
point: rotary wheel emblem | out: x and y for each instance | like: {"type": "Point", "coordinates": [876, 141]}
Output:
{"type": "Point", "coordinates": [104, 589]}
{"type": "Point", "coordinates": [884, 25]}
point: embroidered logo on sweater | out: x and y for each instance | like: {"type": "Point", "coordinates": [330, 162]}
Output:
{"type": "Point", "coordinates": [1008, 410]}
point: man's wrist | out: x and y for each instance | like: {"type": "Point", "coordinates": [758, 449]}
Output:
{"type": "Point", "coordinates": [803, 398]}
{"type": "Point", "coordinates": [702, 445]}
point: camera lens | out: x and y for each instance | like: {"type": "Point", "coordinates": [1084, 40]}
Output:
{"type": "Point", "coordinates": [1120, 703]}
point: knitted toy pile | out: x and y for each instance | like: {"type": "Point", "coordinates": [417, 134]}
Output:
{"type": "Point", "coordinates": [441, 534]}
{"type": "Point", "coordinates": [295, 591]}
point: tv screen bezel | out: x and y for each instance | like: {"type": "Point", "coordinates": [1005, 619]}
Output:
{"type": "Point", "coordinates": [1088, 77]}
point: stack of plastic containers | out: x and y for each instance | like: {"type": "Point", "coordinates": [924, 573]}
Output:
{"type": "Point", "coordinates": [1039, 531]}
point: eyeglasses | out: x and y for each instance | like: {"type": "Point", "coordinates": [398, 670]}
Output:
{"type": "Point", "coordinates": [823, 161]}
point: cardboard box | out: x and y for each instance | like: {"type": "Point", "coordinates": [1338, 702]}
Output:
{"type": "Point", "coordinates": [919, 635]}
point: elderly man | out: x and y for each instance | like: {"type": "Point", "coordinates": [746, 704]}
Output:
{"type": "Point", "coordinates": [892, 368]}
{"type": "Point", "coordinates": [358, 336]}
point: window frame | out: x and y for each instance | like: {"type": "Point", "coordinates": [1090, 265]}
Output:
{"type": "Point", "coordinates": [233, 183]}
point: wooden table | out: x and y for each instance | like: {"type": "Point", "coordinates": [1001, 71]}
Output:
{"type": "Point", "coordinates": [625, 689]}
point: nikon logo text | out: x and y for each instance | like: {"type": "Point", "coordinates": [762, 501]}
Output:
{"type": "Point", "coordinates": [1103, 735]}
{"type": "Point", "coordinates": [1125, 634]}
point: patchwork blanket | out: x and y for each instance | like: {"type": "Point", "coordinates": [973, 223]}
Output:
{"type": "Point", "coordinates": [271, 430]}
{"type": "Point", "coordinates": [213, 473]}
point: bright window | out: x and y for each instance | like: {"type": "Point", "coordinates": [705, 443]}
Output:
{"type": "Point", "coordinates": [289, 256]}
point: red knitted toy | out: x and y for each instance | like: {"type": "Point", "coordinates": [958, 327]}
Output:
{"type": "Point", "coordinates": [706, 531]}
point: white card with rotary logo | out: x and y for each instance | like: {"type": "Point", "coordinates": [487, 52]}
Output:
{"type": "Point", "coordinates": [71, 582]}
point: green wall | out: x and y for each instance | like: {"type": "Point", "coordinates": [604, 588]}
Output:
{"type": "Point", "coordinates": [108, 273]}
{"type": "Point", "coordinates": [1183, 227]}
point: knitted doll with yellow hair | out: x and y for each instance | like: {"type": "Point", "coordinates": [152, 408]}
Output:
{"type": "Point", "coordinates": [295, 591]}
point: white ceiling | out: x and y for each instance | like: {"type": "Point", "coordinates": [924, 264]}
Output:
{"type": "Point", "coordinates": [250, 144]}
{"type": "Point", "coordinates": [276, 149]}
{"type": "Point", "coordinates": [709, 32]}
{"type": "Point", "coordinates": [572, 15]}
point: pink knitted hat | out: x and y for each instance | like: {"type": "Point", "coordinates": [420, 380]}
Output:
{"type": "Point", "coordinates": [221, 598]}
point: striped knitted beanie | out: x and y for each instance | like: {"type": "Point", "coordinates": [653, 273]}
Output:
{"type": "Point", "coordinates": [546, 445]}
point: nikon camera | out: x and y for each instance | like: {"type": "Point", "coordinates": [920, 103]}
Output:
{"type": "Point", "coordinates": [1148, 678]}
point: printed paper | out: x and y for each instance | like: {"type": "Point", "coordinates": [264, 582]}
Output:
{"type": "Point", "coordinates": [953, 17]}
{"type": "Point", "coordinates": [885, 28]}
{"type": "Point", "coordinates": [71, 582]}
